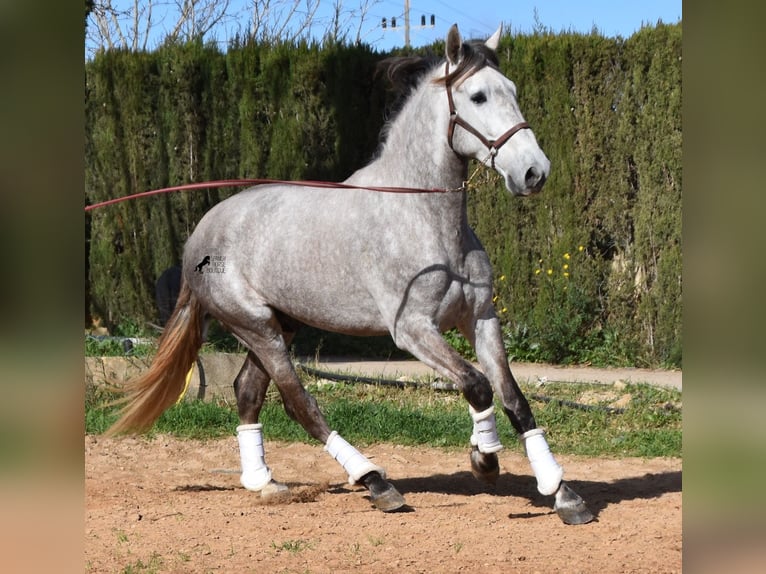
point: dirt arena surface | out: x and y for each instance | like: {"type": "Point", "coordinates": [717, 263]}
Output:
{"type": "Point", "coordinates": [171, 505]}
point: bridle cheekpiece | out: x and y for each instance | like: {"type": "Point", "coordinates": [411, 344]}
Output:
{"type": "Point", "coordinates": [455, 120]}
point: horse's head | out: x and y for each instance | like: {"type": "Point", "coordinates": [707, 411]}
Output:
{"type": "Point", "coordinates": [485, 120]}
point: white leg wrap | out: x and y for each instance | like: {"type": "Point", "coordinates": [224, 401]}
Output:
{"type": "Point", "coordinates": [352, 461]}
{"type": "Point", "coordinates": [255, 473]}
{"type": "Point", "coordinates": [484, 435]}
{"type": "Point", "coordinates": [546, 469]}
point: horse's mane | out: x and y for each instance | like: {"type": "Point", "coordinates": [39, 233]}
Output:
{"type": "Point", "coordinates": [405, 73]}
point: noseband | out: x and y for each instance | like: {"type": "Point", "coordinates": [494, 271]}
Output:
{"type": "Point", "coordinates": [455, 120]}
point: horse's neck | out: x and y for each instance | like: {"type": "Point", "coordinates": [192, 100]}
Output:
{"type": "Point", "coordinates": [415, 153]}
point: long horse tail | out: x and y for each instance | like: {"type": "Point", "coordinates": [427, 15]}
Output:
{"type": "Point", "coordinates": [148, 395]}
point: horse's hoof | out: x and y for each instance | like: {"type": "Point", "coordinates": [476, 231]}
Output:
{"type": "Point", "coordinates": [274, 488]}
{"type": "Point", "coordinates": [570, 506]}
{"type": "Point", "coordinates": [485, 466]}
{"type": "Point", "coordinates": [382, 493]}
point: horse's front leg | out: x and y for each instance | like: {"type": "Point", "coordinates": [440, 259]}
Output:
{"type": "Point", "coordinates": [490, 351]}
{"type": "Point", "coordinates": [425, 342]}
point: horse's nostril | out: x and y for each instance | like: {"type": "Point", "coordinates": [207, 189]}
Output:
{"type": "Point", "coordinates": [533, 177]}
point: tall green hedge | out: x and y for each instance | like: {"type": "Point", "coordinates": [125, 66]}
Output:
{"type": "Point", "coordinates": [190, 113]}
{"type": "Point", "coordinates": [588, 270]}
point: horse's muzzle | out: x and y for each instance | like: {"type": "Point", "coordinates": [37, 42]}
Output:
{"type": "Point", "coordinates": [533, 189]}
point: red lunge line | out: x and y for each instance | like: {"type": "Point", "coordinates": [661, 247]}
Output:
{"type": "Point", "coordinates": [241, 182]}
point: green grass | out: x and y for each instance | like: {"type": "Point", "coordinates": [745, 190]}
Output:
{"type": "Point", "coordinates": [114, 347]}
{"type": "Point", "coordinates": [153, 565]}
{"type": "Point", "coordinates": [650, 426]}
{"type": "Point", "coordinates": [187, 419]}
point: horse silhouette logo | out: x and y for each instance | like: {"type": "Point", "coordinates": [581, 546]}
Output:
{"type": "Point", "coordinates": [201, 264]}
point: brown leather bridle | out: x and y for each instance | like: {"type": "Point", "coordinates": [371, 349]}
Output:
{"type": "Point", "coordinates": [455, 120]}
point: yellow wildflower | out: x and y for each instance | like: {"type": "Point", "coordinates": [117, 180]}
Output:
{"type": "Point", "coordinates": [550, 271]}
{"type": "Point", "coordinates": [566, 266]}
{"type": "Point", "coordinates": [537, 271]}
{"type": "Point", "coordinates": [580, 248]}
{"type": "Point", "coordinates": [566, 256]}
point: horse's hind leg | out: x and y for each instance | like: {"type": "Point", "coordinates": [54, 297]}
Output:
{"type": "Point", "coordinates": [250, 389]}
{"type": "Point", "coordinates": [268, 345]}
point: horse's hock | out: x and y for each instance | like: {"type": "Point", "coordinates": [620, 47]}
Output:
{"type": "Point", "coordinates": [214, 379]}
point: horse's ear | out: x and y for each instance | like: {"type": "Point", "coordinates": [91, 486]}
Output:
{"type": "Point", "coordinates": [494, 40]}
{"type": "Point", "coordinates": [454, 45]}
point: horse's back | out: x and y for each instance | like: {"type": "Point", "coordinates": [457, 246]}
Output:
{"type": "Point", "coordinates": [296, 249]}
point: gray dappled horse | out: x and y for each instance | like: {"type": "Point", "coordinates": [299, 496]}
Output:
{"type": "Point", "coordinates": [367, 262]}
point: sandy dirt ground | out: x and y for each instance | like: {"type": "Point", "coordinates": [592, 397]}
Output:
{"type": "Point", "coordinates": [170, 505]}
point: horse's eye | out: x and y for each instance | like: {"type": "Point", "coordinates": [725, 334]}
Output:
{"type": "Point", "coordinates": [479, 98]}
